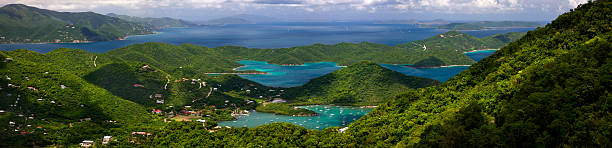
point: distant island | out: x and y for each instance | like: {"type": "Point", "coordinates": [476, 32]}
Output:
{"type": "Point", "coordinates": [414, 22]}
{"type": "Point", "coordinates": [486, 25]}
{"type": "Point", "coordinates": [241, 19]}
{"type": "Point", "coordinates": [157, 23]}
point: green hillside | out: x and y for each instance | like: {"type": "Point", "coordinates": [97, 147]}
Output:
{"type": "Point", "coordinates": [363, 83]}
{"type": "Point", "coordinates": [549, 89]}
{"type": "Point", "coordinates": [157, 23]}
{"type": "Point", "coordinates": [24, 24]}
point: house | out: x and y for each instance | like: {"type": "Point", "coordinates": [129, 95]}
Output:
{"type": "Point", "coordinates": [86, 143]}
{"type": "Point", "coordinates": [342, 130]}
{"type": "Point", "coordinates": [201, 120]}
{"type": "Point", "coordinates": [278, 100]}
{"type": "Point", "coordinates": [2, 112]}
{"type": "Point", "coordinates": [138, 85]}
{"type": "Point", "coordinates": [141, 133]}
{"type": "Point", "coordinates": [158, 111]}
{"type": "Point", "coordinates": [106, 139]}
{"type": "Point", "coordinates": [158, 95]}
{"type": "Point", "coordinates": [159, 101]}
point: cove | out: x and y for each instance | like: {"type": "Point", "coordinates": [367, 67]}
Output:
{"type": "Point", "coordinates": [284, 75]}
{"type": "Point", "coordinates": [329, 116]}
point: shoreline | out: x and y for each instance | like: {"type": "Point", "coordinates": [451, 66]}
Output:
{"type": "Point", "coordinates": [118, 39]}
{"type": "Point", "coordinates": [478, 50]}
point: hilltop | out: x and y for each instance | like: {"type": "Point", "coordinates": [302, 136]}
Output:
{"type": "Point", "coordinates": [363, 83]}
{"type": "Point", "coordinates": [24, 24]}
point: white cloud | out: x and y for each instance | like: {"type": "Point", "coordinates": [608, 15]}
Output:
{"type": "Point", "coordinates": [575, 3]}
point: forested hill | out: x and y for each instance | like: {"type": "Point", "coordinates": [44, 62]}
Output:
{"type": "Point", "coordinates": [363, 83]}
{"type": "Point", "coordinates": [24, 24]}
{"type": "Point", "coordinates": [551, 88]}
{"type": "Point", "coordinates": [157, 23]}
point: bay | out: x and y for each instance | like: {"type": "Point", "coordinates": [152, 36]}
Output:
{"type": "Point", "coordinates": [328, 116]}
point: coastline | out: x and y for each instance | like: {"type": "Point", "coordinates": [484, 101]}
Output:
{"type": "Point", "coordinates": [480, 50]}
{"type": "Point", "coordinates": [118, 39]}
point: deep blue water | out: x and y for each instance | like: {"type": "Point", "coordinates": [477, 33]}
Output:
{"type": "Point", "coordinates": [272, 35]}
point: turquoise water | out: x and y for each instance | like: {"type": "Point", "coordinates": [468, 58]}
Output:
{"type": "Point", "coordinates": [478, 55]}
{"type": "Point", "coordinates": [270, 35]}
{"type": "Point", "coordinates": [286, 76]}
{"type": "Point", "coordinates": [329, 116]}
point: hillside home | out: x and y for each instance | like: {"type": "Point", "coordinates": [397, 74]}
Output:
{"type": "Point", "coordinates": [106, 139]}
{"type": "Point", "coordinates": [86, 143]}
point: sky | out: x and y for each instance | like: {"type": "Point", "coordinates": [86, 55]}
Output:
{"type": "Point", "coordinates": [321, 10]}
